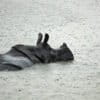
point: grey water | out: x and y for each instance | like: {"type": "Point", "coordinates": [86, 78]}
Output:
{"type": "Point", "coordinates": [76, 22]}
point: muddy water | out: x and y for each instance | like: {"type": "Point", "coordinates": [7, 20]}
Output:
{"type": "Point", "coordinates": [75, 22]}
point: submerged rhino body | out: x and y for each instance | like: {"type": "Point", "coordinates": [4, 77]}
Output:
{"type": "Point", "coordinates": [21, 56]}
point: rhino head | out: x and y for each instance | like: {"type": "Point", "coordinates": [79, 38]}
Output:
{"type": "Point", "coordinates": [61, 54]}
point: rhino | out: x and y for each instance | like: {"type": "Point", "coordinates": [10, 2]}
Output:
{"type": "Point", "coordinates": [21, 56]}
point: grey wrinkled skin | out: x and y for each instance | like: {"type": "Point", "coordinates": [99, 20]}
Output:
{"type": "Point", "coordinates": [21, 56]}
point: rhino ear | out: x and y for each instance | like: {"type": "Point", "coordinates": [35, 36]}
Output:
{"type": "Point", "coordinates": [39, 38]}
{"type": "Point", "coordinates": [64, 45]}
{"type": "Point", "coordinates": [46, 38]}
